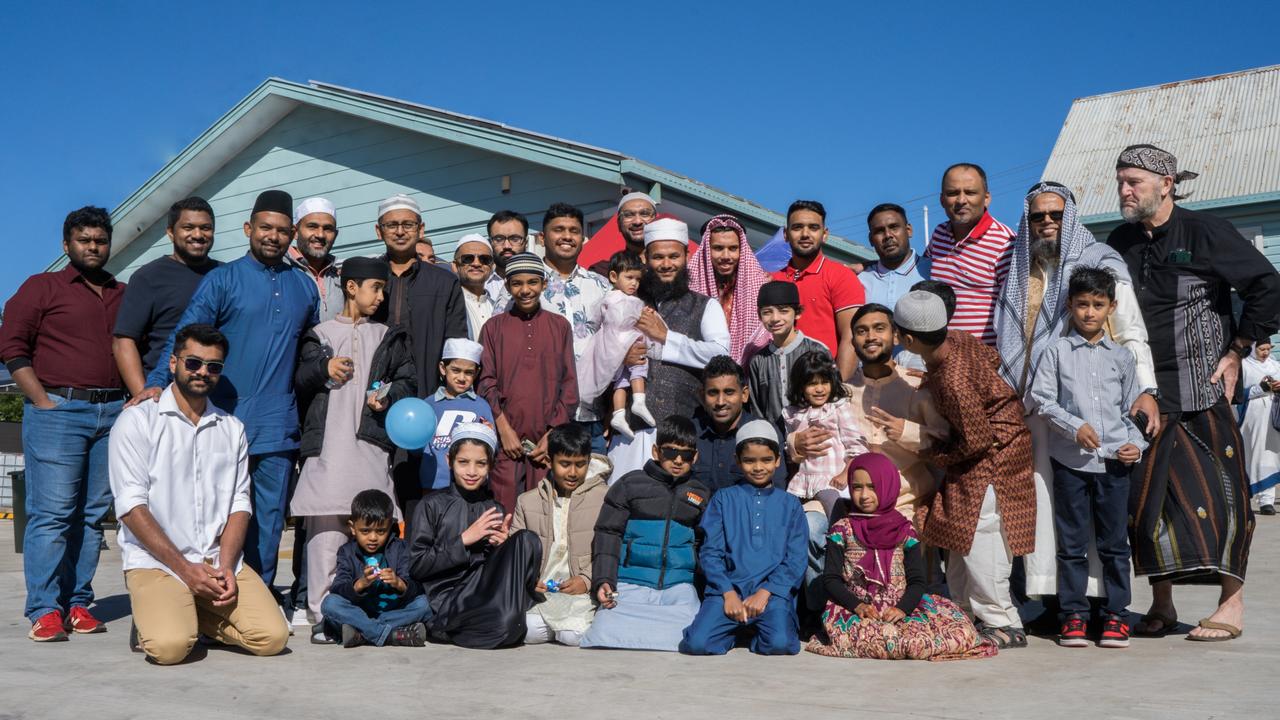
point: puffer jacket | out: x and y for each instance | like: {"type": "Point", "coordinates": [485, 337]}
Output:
{"type": "Point", "coordinates": [535, 511]}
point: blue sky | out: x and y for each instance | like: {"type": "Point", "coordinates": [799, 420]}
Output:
{"type": "Point", "coordinates": [849, 103]}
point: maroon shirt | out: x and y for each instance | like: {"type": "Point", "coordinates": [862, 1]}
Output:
{"type": "Point", "coordinates": [57, 325]}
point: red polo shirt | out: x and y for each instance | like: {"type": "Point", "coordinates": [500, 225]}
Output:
{"type": "Point", "coordinates": [826, 288]}
{"type": "Point", "coordinates": [57, 325]}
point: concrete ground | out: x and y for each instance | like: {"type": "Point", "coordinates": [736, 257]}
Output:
{"type": "Point", "coordinates": [96, 677]}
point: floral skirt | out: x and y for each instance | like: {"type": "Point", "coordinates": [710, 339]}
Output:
{"type": "Point", "coordinates": [937, 630]}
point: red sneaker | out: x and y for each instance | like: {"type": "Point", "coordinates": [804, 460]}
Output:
{"type": "Point", "coordinates": [48, 628]}
{"type": "Point", "coordinates": [1073, 633]}
{"type": "Point", "coordinates": [1115, 634]}
{"type": "Point", "coordinates": [79, 620]}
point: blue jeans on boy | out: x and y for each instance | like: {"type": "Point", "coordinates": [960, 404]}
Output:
{"type": "Point", "coordinates": [1092, 505]}
{"type": "Point", "coordinates": [269, 475]}
{"type": "Point", "coordinates": [339, 611]}
{"type": "Point", "coordinates": [68, 495]}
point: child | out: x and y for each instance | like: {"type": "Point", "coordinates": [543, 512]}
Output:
{"type": "Point", "coordinates": [770, 369]}
{"type": "Point", "coordinates": [372, 598]}
{"type": "Point", "coordinates": [753, 555]}
{"type": "Point", "coordinates": [985, 510]}
{"type": "Point", "coordinates": [455, 403]}
{"type": "Point", "coordinates": [1085, 385]}
{"type": "Point", "coordinates": [562, 511]}
{"type": "Point", "coordinates": [645, 547]}
{"type": "Point", "coordinates": [345, 448]}
{"type": "Point", "coordinates": [875, 579]}
{"type": "Point", "coordinates": [602, 356]}
{"type": "Point", "coordinates": [527, 375]}
{"type": "Point", "coordinates": [819, 399]}
{"type": "Point", "coordinates": [478, 575]}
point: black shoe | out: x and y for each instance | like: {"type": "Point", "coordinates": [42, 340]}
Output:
{"type": "Point", "coordinates": [1267, 510]}
{"type": "Point", "coordinates": [134, 645]}
{"type": "Point", "coordinates": [351, 637]}
{"type": "Point", "coordinates": [414, 635]}
{"type": "Point", "coordinates": [320, 637]}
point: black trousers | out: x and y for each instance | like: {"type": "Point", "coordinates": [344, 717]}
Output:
{"type": "Point", "coordinates": [1092, 505]}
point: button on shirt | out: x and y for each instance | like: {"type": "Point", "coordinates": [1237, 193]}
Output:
{"type": "Point", "coordinates": [826, 288]}
{"type": "Point", "coordinates": [884, 286]}
{"type": "Point", "coordinates": [1081, 382]}
{"type": "Point", "coordinates": [191, 477]}
{"type": "Point", "coordinates": [479, 309]}
{"type": "Point", "coordinates": [755, 538]}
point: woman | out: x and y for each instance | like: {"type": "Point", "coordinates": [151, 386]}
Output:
{"type": "Point", "coordinates": [1261, 374]}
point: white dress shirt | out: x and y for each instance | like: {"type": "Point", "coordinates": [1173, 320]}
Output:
{"type": "Point", "coordinates": [683, 350]}
{"type": "Point", "coordinates": [191, 477]}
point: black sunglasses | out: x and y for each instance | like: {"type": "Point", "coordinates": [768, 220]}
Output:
{"type": "Point", "coordinates": [193, 363]}
{"type": "Point", "coordinates": [469, 258]}
{"type": "Point", "coordinates": [1040, 216]}
{"type": "Point", "coordinates": [671, 453]}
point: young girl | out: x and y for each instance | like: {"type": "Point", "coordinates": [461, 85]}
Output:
{"type": "Point", "coordinates": [479, 576]}
{"type": "Point", "coordinates": [602, 357]}
{"type": "Point", "coordinates": [819, 399]}
{"type": "Point", "coordinates": [875, 581]}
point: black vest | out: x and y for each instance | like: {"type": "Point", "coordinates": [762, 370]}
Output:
{"type": "Point", "coordinates": [674, 389]}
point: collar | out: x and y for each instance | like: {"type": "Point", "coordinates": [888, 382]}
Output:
{"type": "Point", "coordinates": [814, 268]}
{"type": "Point", "coordinates": [351, 321]}
{"type": "Point", "coordinates": [70, 275]}
{"type": "Point", "coordinates": [295, 258]}
{"type": "Point", "coordinates": [259, 265]}
{"type": "Point", "coordinates": [1077, 340]}
{"type": "Point", "coordinates": [795, 344]}
{"type": "Point", "coordinates": [860, 378]}
{"type": "Point", "coordinates": [168, 405]}
{"type": "Point", "coordinates": [765, 491]}
{"type": "Point", "coordinates": [517, 314]}
{"type": "Point", "coordinates": [655, 471]}
{"type": "Point", "coordinates": [440, 394]}
{"type": "Point", "coordinates": [408, 273]}
{"type": "Point", "coordinates": [908, 265]}
{"type": "Point", "coordinates": [984, 224]}
{"type": "Point", "coordinates": [706, 428]}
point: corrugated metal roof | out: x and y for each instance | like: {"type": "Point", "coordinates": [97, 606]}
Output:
{"type": "Point", "coordinates": [1225, 127]}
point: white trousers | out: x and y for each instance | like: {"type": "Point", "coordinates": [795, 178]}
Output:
{"type": "Point", "coordinates": [979, 581]}
{"type": "Point", "coordinates": [326, 534]}
{"type": "Point", "coordinates": [539, 632]}
{"type": "Point", "coordinates": [629, 454]}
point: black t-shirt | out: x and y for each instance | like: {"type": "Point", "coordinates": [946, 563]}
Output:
{"type": "Point", "coordinates": [156, 297]}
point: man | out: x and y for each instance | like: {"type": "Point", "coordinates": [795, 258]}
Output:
{"type": "Point", "coordinates": [316, 224]}
{"type": "Point", "coordinates": [723, 410]}
{"type": "Point", "coordinates": [971, 251]}
{"type": "Point", "coordinates": [180, 477]}
{"type": "Point", "coordinates": [425, 250]}
{"type": "Point", "coordinates": [56, 342]}
{"type": "Point", "coordinates": [724, 267]}
{"type": "Point", "coordinates": [160, 290]}
{"type": "Point", "coordinates": [1031, 315]}
{"type": "Point", "coordinates": [263, 306]}
{"type": "Point", "coordinates": [473, 264]}
{"type": "Point", "coordinates": [635, 210]}
{"type": "Point", "coordinates": [1190, 494]}
{"type": "Point", "coordinates": [829, 291]}
{"type": "Point", "coordinates": [899, 267]}
{"type": "Point", "coordinates": [685, 331]}
{"type": "Point", "coordinates": [509, 236]}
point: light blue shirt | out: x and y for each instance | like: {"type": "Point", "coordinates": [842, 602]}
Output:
{"type": "Point", "coordinates": [885, 286]}
{"type": "Point", "coordinates": [450, 413]}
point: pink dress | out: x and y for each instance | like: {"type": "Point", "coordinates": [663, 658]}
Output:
{"type": "Point", "coordinates": [848, 440]}
{"type": "Point", "coordinates": [605, 351]}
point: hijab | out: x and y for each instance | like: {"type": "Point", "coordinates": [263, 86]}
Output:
{"type": "Point", "coordinates": [882, 531]}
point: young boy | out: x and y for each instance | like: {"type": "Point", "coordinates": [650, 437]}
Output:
{"type": "Point", "coordinates": [528, 377]}
{"type": "Point", "coordinates": [1085, 385]}
{"type": "Point", "coordinates": [455, 403]}
{"type": "Point", "coordinates": [350, 370]}
{"type": "Point", "coordinates": [645, 547]}
{"type": "Point", "coordinates": [985, 510]}
{"type": "Point", "coordinates": [754, 553]}
{"type": "Point", "coordinates": [767, 373]}
{"type": "Point", "coordinates": [373, 599]}
{"type": "Point", "coordinates": [625, 270]}
{"type": "Point", "coordinates": [562, 511]}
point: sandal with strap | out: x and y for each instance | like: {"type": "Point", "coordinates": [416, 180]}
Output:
{"type": "Point", "coordinates": [1143, 628]}
{"type": "Point", "coordinates": [1006, 637]}
{"type": "Point", "coordinates": [1232, 631]}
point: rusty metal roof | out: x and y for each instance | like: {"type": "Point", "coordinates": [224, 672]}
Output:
{"type": "Point", "coordinates": [1225, 127]}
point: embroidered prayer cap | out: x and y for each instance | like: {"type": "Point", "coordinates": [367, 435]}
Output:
{"type": "Point", "coordinates": [756, 430]}
{"type": "Point", "coordinates": [314, 205]}
{"type": "Point", "coordinates": [475, 431]}
{"type": "Point", "coordinates": [1153, 159]}
{"type": "Point", "coordinates": [526, 262]}
{"type": "Point", "coordinates": [666, 229]}
{"type": "Point", "coordinates": [398, 202]}
{"type": "Point", "coordinates": [472, 237]}
{"type": "Point", "coordinates": [462, 349]}
{"type": "Point", "coordinates": [920, 311]}
{"type": "Point", "coordinates": [778, 292]}
{"type": "Point", "coordinates": [636, 196]}
{"type": "Point", "coordinates": [276, 201]}
{"type": "Point", "coordinates": [363, 268]}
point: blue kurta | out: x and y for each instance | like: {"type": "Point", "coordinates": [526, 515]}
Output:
{"type": "Point", "coordinates": [755, 538]}
{"type": "Point", "coordinates": [263, 311]}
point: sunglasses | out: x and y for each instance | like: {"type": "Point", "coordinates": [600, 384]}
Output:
{"type": "Point", "coordinates": [192, 364]}
{"type": "Point", "coordinates": [671, 453]}
{"type": "Point", "coordinates": [1040, 216]}
{"type": "Point", "coordinates": [469, 259]}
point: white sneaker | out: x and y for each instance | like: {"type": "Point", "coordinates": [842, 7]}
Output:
{"type": "Point", "coordinates": [288, 621]}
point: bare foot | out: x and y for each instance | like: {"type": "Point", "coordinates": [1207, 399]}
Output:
{"type": "Point", "coordinates": [1230, 611]}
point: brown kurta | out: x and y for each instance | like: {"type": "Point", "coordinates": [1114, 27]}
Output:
{"type": "Point", "coordinates": [989, 445]}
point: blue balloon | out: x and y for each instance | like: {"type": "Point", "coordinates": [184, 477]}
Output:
{"type": "Point", "coordinates": [411, 423]}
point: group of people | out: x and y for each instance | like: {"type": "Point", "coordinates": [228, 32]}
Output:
{"type": "Point", "coordinates": [672, 450]}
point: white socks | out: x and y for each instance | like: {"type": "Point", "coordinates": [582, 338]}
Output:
{"type": "Point", "coordinates": [640, 410]}
{"type": "Point", "coordinates": [619, 422]}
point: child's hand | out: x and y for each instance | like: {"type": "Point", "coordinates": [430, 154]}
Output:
{"type": "Point", "coordinates": [605, 596]}
{"type": "Point", "coordinates": [364, 581]}
{"type": "Point", "coordinates": [374, 403]}
{"type": "Point", "coordinates": [576, 585]}
{"type": "Point", "coordinates": [388, 576]}
{"type": "Point", "coordinates": [866, 612]}
{"type": "Point", "coordinates": [1128, 454]}
{"type": "Point", "coordinates": [840, 481]}
{"type": "Point", "coordinates": [755, 604]}
{"type": "Point", "coordinates": [734, 608]}
{"type": "Point", "coordinates": [488, 522]}
{"type": "Point", "coordinates": [341, 369]}
{"type": "Point", "coordinates": [499, 536]}
{"type": "Point", "coordinates": [892, 614]}
{"type": "Point", "coordinates": [1087, 438]}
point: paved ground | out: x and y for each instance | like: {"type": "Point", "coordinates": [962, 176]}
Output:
{"type": "Point", "coordinates": [96, 677]}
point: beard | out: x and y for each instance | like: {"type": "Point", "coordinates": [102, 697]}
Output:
{"type": "Point", "coordinates": [880, 358]}
{"type": "Point", "coordinates": [656, 291]}
{"type": "Point", "coordinates": [1146, 208]}
{"type": "Point", "coordinates": [1044, 252]}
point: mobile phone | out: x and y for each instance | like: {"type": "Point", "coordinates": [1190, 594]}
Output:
{"type": "Point", "coordinates": [528, 446]}
{"type": "Point", "coordinates": [1140, 419]}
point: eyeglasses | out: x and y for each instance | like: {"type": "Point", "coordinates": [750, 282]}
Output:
{"type": "Point", "coordinates": [1040, 216]}
{"type": "Point", "coordinates": [671, 453]}
{"type": "Point", "coordinates": [633, 214]}
{"type": "Point", "coordinates": [470, 258]}
{"type": "Point", "coordinates": [192, 363]}
{"type": "Point", "coordinates": [406, 225]}
{"type": "Point", "coordinates": [504, 239]}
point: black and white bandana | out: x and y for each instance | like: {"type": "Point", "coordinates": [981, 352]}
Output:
{"type": "Point", "coordinates": [1153, 159]}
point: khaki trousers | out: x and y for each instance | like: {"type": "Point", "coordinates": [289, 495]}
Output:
{"type": "Point", "coordinates": [169, 617]}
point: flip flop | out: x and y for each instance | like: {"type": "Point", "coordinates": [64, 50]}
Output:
{"type": "Point", "coordinates": [1167, 625]}
{"type": "Point", "coordinates": [1232, 631]}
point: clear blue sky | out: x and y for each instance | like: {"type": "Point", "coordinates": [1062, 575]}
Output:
{"type": "Point", "coordinates": [849, 103]}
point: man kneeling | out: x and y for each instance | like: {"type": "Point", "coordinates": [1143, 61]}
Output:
{"type": "Point", "coordinates": [180, 476]}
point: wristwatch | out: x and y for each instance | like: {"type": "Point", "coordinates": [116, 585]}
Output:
{"type": "Point", "coordinates": [1154, 392]}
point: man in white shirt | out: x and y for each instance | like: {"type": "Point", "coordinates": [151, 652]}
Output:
{"type": "Point", "coordinates": [180, 477]}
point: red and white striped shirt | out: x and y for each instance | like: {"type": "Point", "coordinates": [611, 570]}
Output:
{"type": "Point", "coordinates": [975, 267]}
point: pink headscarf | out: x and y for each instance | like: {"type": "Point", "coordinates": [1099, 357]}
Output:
{"type": "Point", "coordinates": [746, 334]}
{"type": "Point", "coordinates": [884, 530]}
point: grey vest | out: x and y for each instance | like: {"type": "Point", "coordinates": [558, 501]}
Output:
{"type": "Point", "coordinates": [674, 389]}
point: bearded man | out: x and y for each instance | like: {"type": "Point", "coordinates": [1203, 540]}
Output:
{"type": "Point", "coordinates": [725, 268]}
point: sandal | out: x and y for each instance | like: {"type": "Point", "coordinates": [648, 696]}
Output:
{"type": "Point", "coordinates": [1143, 628]}
{"type": "Point", "coordinates": [1006, 637]}
{"type": "Point", "coordinates": [1232, 631]}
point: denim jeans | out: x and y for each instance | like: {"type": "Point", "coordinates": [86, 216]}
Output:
{"type": "Point", "coordinates": [814, 596]}
{"type": "Point", "coordinates": [339, 611]}
{"type": "Point", "coordinates": [269, 476]}
{"type": "Point", "coordinates": [1092, 504]}
{"type": "Point", "coordinates": [68, 495]}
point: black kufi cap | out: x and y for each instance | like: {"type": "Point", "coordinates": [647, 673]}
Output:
{"type": "Point", "coordinates": [276, 201]}
{"type": "Point", "coordinates": [363, 268]}
{"type": "Point", "coordinates": [778, 292]}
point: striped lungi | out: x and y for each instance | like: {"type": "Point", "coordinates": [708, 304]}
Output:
{"type": "Point", "coordinates": [1189, 514]}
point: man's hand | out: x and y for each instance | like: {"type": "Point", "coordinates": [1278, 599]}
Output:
{"type": "Point", "coordinates": [230, 590]}
{"type": "Point", "coordinates": [509, 439]}
{"type": "Point", "coordinates": [637, 355]}
{"type": "Point", "coordinates": [604, 596]}
{"type": "Point", "coordinates": [810, 442]}
{"type": "Point", "coordinates": [576, 585]}
{"type": "Point", "coordinates": [1128, 454]}
{"type": "Point", "coordinates": [485, 525]}
{"type": "Point", "coordinates": [1228, 372]}
{"type": "Point", "coordinates": [734, 609]}
{"type": "Point", "coordinates": [892, 614]}
{"type": "Point", "coordinates": [652, 325]}
{"type": "Point", "coordinates": [866, 612]}
{"type": "Point", "coordinates": [1147, 404]}
{"type": "Point", "coordinates": [151, 393]}
{"type": "Point", "coordinates": [204, 580]}
{"type": "Point", "coordinates": [755, 604]}
{"type": "Point", "coordinates": [1086, 437]}
{"type": "Point", "coordinates": [539, 454]}
{"type": "Point", "coordinates": [340, 370]}
{"type": "Point", "coordinates": [891, 425]}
